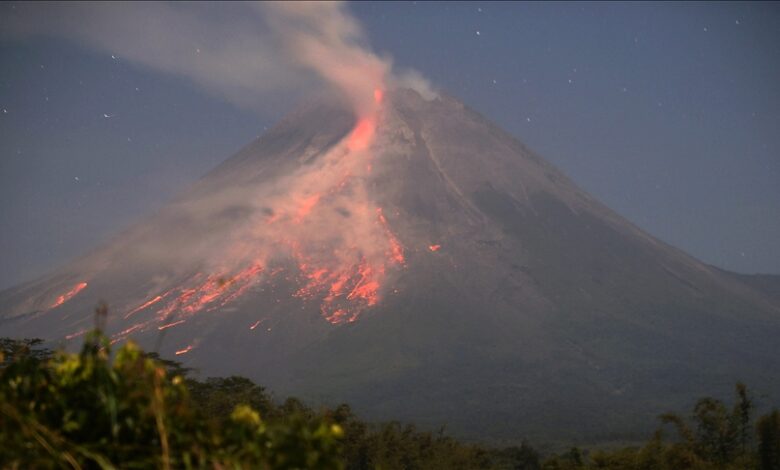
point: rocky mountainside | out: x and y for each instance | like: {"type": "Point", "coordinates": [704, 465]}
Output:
{"type": "Point", "coordinates": [423, 265]}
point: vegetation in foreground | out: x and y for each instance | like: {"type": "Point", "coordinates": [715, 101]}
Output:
{"type": "Point", "coordinates": [131, 409]}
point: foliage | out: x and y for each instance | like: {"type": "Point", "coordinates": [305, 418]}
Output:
{"type": "Point", "coordinates": [769, 441]}
{"type": "Point", "coordinates": [132, 409]}
{"type": "Point", "coordinates": [714, 437]}
{"type": "Point", "coordinates": [30, 348]}
{"type": "Point", "coordinates": [90, 410]}
{"type": "Point", "coordinates": [392, 446]}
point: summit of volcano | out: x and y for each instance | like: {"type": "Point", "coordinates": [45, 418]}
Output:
{"type": "Point", "coordinates": [417, 261]}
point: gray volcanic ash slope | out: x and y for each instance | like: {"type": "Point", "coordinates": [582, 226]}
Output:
{"type": "Point", "coordinates": [422, 265]}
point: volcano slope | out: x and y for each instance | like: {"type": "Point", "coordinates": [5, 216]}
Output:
{"type": "Point", "coordinates": [422, 265]}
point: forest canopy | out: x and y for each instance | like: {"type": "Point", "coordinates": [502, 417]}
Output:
{"type": "Point", "coordinates": [127, 408]}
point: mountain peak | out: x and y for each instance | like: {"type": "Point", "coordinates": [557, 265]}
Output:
{"type": "Point", "coordinates": [416, 261]}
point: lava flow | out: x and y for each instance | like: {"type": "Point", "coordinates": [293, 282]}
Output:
{"type": "Point", "coordinates": [362, 135]}
{"type": "Point", "coordinates": [321, 217]}
{"type": "Point", "coordinates": [69, 295]}
{"type": "Point", "coordinates": [146, 304]}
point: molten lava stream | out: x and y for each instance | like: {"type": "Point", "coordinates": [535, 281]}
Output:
{"type": "Point", "coordinates": [305, 207]}
{"type": "Point", "coordinates": [205, 293]}
{"type": "Point", "coordinates": [347, 281]}
{"type": "Point", "coordinates": [146, 304]}
{"type": "Point", "coordinates": [362, 135]}
{"type": "Point", "coordinates": [76, 334]}
{"type": "Point", "coordinates": [170, 325]}
{"type": "Point", "coordinates": [69, 295]}
{"type": "Point", "coordinates": [396, 250]}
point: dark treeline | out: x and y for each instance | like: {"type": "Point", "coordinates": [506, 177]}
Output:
{"type": "Point", "coordinates": [714, 437]}
{"type": "Point", "coordinates": [133, 409]}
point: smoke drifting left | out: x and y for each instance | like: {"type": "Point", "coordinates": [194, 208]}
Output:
{"type": "Point", "coordinates": [315, 225]}
{"type": "Point", "coordinates": [324, 38]}
{"type": "Point", "coordinates": [320, 216]}
{"type": "Point", "coordinates": [244, 52]}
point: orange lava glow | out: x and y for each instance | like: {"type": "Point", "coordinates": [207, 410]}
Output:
{"type": "Point", "coordinates": [339, 316]}
{"type": "Point", "coordinates": [306, 206]}
{"type": "Point", "coordinates": [133, 328]}
{"type": "Point", "coordinates": [348, 289]}
{"type": "Point", "coordinates": [434, 247]}
{"type": "Point", "coordinates": [184, 351]}
{"type": "Point", "coordinates": [69, 295]}
{"type": "Point", "coordinates": [345, 292]}
{"type": "Point", "coordinates": [214, 288]}
{"type": "Point", "coordinates": [241, 282]}
{"type": "Point", "coordinates": [326, 226]}
{"type": "Point", "coordinates": [362, 135]}
{"type": "Point", "coordinates": [144, 305]}
{"type": "Point", "coordinates": [396, 250]}
{"type": "Point", "coordinates": [76, 334]}
{"type": "Point", "coordinates": [345, 289]}
{"type": "Point", "coordinates": [124, 333]}
{"type": "Point", "coordinates": [366, 287]}
{"type": "Point", "coordinates": [170, 325]}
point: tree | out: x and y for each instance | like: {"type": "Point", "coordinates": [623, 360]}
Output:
{"type": "Point", "coordinates": [740, 416]}
{"type": "Point", "coordinates": [99, 410]}
{"type": "Point", "coordinates": [716, 435]}
{"type": "Point", "coordinates": [768, 431]}
{"type": "Point", "coordinates": [14, 349]}
{"type": "Point", "coordinates": [525, 457]}
{"type": "Point", "coordinates": [651, 455]}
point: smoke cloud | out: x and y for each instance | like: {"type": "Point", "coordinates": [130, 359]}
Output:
{"type": "Point", "coordinates": [318, 216]}
{"type": "Point", "coordinates": [244, 52]}
{"type": "Point", "coordinates": [323, 37]}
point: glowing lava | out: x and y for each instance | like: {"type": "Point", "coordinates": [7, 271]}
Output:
{"type": "Point", "coordinates": [362, 135]}
{"type": "Point", "coordinates": [349, 288]}
{"type": "Point", "coordinates": [321, 219]}
{"type": "Point", "coordinates": [434, 247]}
{"type": "Point", "coordinates": [69, 295]}
{"type": "Point", "coordinates": [144, 305]}
{"type": "Point", "coordinates": [396, 251]}
{"type": "Point", "coordinates": [170, 325]}
{"type": "Point", "coordinates": [222, 288]}
{"type": "Point", "coordinates": [76, 334]}
{"type": "Point", "coordinates": [306, 206]}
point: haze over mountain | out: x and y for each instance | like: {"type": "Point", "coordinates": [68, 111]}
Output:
{"type": "Point", "coordinates": [420, 263]}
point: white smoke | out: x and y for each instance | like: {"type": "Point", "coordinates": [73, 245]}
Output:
{"type": "Point", "coordinates": [245, 52]}
{"type": "Point", "coordinates": [321, 215]}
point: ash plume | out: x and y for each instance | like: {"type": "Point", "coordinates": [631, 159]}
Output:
{"type": "Point", "coordinates": [244, 52]}
{"type": "Point", "coordinates": [325, 38]}
{"type": "Point", "coordinates": [319, 215]}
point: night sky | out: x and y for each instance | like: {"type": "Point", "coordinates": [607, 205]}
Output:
{"type": "Point", "coordinates": [668, 113]}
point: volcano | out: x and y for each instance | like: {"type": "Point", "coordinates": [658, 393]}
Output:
{"type": "Point", "coordinates": [420, 264]}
